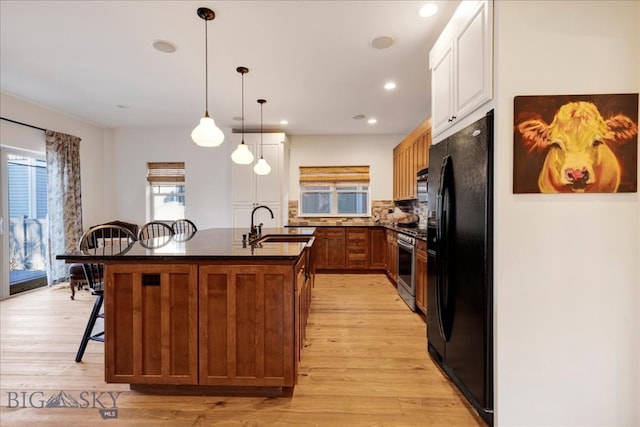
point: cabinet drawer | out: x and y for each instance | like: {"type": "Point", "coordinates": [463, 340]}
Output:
{"type": "Point", "coordinates": [358, 250]}
{"type": "Point", "coordinates": [357, 238]}
{"type": "Point", "coordinates": [334, 232]}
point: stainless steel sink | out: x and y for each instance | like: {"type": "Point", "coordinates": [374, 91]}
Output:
{"type": "Point", "coordinates": [275, 238]}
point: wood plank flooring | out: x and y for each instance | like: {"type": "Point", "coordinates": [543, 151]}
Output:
{"type": "Point", "coordinates": [364, 364]}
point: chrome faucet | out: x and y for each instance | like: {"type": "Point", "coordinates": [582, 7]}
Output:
{"type": "Point", "coordinates": [254, 230]}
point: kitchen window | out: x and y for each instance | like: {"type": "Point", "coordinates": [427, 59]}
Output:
{"type": "Point", "coordinates": [334, 191]}
{"type": "Point", "coordinates": [166, 191]}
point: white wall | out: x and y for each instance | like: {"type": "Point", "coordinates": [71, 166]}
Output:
{"type": "Point", "coordinates": [113, 163]}
{"type": "Point", "coordinates": [207, 173]}
{"type": "Point", "coordinates": [567, 278]}
{"type": "Point", "coordinates": [341, 150]}
{"type": "Point", "coordinates": [208, 169]}
{"type": "Point", "coordinates": [94, 209]}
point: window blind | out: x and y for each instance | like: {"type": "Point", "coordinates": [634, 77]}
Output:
{"type": "Point", "coordinates": [165, 172]}
{"type": "Point", "coordinates": [334, 174]}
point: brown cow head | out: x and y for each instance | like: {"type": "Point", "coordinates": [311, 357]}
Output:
{"type": "Point", "coordinates": [579, 139]}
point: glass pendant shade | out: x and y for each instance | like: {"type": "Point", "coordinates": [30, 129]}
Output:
{"type": "Point", "coordinates": [207, 134]}
{"type": "Point", "coordinates": [262, 167]}
{"type": "Point", "coordinates": [242, 155]}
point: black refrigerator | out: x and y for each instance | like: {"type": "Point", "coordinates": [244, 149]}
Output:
{"type": "Point", "coordinates": [459, 261]}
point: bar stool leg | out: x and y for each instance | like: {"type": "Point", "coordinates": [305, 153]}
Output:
{"type": "Point", "coordinates": [95, 313]}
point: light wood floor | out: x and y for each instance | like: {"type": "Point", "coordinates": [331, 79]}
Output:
{"type": "Point", "coordinates": [364, 364]}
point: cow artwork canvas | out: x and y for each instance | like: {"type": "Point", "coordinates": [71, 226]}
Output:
{"type": "Point", "coordinates": [575, 144]}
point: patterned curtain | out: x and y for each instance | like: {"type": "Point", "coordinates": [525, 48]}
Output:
{"type": "Point", "coordinates": [64, 200]}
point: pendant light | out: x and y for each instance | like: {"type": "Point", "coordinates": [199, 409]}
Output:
{"type": "Point", "coordinates": [261, 167]}
{"type": "Point", "coordinates": [242, 155]}
{"type": "Point", "coordinates": [206, 134]}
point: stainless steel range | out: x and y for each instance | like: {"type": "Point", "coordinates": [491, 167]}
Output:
{"type": "Point", "coordinates": [406, 269]}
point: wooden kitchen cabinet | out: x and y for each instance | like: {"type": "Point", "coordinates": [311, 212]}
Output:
{"type": "Point", "coordinates": [330, 248]}
{"type": "Point", "coordinates": [461, 64]}
{"type": "Point", "coordinates": [421, 275]}
{"type": "Point", "coordinates": [320, 249]}
{"type": "Point", "coordinates": [350, 248]}
{"type": "Point", "coordinates": [409, 156]}
{"type": "Point", "coordinates": [303, 303]}
{"type": "Point", "coordinates": [357, 250]}
{"type": "Point", "coordinates": [392, 255]}
{"type": "Point", "coordinates": [154, 309]}
{"type": "Point", "coordinates": [247, 331]}
{"type": "Point", "coordinates": [377, 248]}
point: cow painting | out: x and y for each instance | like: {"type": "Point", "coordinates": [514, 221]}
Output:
{"type": "Point", "coordinates": [580, 146]}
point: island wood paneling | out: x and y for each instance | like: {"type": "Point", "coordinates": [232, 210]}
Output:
{"type": "Point", "coordinates": [246, 325]}
{"type": "Point", "coordinates": [153, 308]}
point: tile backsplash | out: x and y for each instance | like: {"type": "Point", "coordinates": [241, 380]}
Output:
{"type": "Point", "coordinates": [379, 210]}
{"type": "Point", "coordinates": [416, 208]}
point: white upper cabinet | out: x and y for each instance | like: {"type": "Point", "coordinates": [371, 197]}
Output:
{"type": "Point", "coordinates": [461, 64]}
{"type": "Point", "coordinates": [250, 189]}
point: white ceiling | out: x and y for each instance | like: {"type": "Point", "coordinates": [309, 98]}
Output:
{"type": "Point", "coordinates": [311, 61]}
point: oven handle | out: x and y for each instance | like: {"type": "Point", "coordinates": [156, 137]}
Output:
{"type": "Point", "coordinates": [406, 246]}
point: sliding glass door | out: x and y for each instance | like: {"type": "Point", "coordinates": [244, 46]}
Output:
{"type": "Point", "coordinates": [24, 228]}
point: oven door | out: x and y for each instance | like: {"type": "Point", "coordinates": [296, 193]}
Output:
{"type": "Point", "coordinates": [406, 279]}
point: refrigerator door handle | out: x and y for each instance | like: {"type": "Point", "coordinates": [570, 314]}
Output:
{"type": "Point", "coordinates": [446, 287]}
{"type": "Point", "coordinates": [441, 244]}
{"type": "Point", "coordinates": [439, 201]}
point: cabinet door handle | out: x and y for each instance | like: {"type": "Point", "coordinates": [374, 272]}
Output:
{"type": "Point", "coordinates": [452, 118]}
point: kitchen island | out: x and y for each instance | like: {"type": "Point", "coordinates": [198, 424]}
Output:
{"type": "Point", "coordinates": [208, 310]}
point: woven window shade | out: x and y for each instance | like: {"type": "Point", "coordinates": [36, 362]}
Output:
{"type": "Point", "coordinates": [334, 174]}
{"type": "Point", "coordinates": [165, 172]}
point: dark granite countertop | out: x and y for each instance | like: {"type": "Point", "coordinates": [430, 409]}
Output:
{"type": "Point", "coordinates": [208, 244]}
{"type": "Point", "coordinates": [337, 224]}
{"type": "Point", "coordinates": [411, 231]}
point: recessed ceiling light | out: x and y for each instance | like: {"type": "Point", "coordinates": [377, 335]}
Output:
{"type": "Point", "coordinates": [389, 85]}
{"type": "Point", "coordinates": [284, 122]}
{"type": "Point", "coordinates": [428, 9]}
{"type": "Point", "coordinates": [372, 121]}
{"type": "Point", "coordinates": [164, 46]}
{"type": "Point", "coordinates": [358, 117]}
{"type": "Point", "coordinates": [382, 42]}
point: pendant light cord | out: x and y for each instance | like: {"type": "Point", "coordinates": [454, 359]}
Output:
{"type": "Point", "coordinates": [206, 69]}
{"type": "Point", "coordinates": [243, 108]}
{"type": "Point", "coordinates": [261, 104]}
